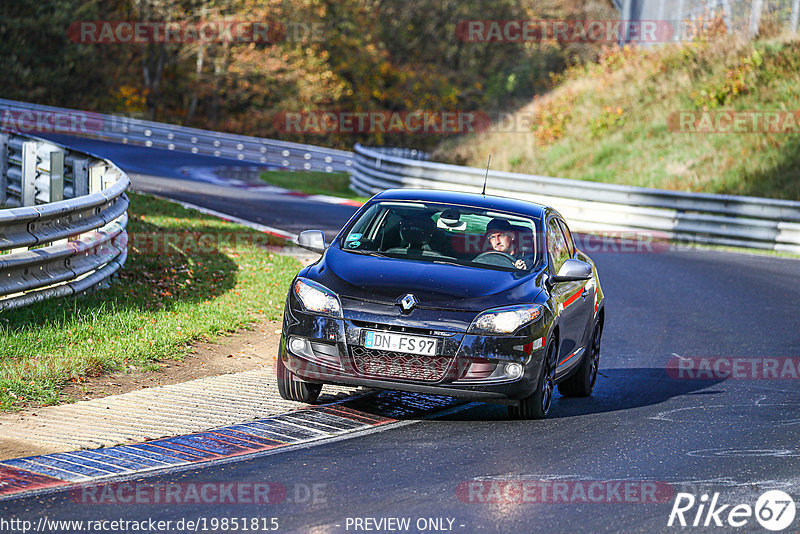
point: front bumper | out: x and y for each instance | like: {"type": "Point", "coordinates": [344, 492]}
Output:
{"type": "Point", "coordinates": [336, 355]}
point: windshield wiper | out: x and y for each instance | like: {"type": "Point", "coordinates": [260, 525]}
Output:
{"type": "Point", "coordinates": [451, 262]}
{"type": "Point", "coordinates": [370, 253]}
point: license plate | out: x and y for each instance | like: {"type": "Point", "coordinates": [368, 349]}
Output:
{"type": "Point", "coordinates": [424, 346]}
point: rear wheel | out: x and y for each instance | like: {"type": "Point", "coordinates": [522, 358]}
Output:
{"type": "Point", "coordinates": [537, 405]}
{"type": "Point", "coordinates": [582, 382]}
{"type": "Point", "coordinates": [292, 388]}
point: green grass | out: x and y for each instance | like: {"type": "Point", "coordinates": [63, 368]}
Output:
{"type": "Point", "coordinates": [335, 184]}
{"type": "Point", "coordinates": [160, 303]}
{"type": "Point", "coordinates": [608, 122]}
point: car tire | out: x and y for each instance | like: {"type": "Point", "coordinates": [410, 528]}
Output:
{"type": "Point", "coordinates": [537, 405]}
{"type": "Point", "coordinates": [582, 382]}
{"type": "Point", "coordinates": [292, 388]}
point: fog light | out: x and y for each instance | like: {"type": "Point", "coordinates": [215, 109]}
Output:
{"type": "Point", "coordinates": [300, 346]}
{"type": "Point", "coordinates": [513, 370]}
{"type": "Point", "coordinates": [296, 345]}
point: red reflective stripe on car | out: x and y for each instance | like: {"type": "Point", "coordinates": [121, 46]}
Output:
{"type": "Point", "coordinates": [567, 358]}
{"type": "Point", "coordinates": [573, 298]}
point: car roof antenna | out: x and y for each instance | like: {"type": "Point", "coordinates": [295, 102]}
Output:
{"type": "Point", "coordinates": [487, 175]}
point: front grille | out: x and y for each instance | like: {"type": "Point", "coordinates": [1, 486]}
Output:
{"type": "Point", "coordinates": [393, 328]}
{"type": "Point", "coordinates": [386, 364]}
{"type": "Point", "coordinates": [352, 302]}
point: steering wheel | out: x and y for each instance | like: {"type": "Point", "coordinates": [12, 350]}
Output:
{"type": "Point", "coordinates": [496, 257]}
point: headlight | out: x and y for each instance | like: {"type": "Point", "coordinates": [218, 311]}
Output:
{"type": "Point", "coordinates": [505, 320]}
{"type": "Point", "coordinates": [317, 298]}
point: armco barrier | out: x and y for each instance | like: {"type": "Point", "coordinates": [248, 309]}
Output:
{"type": "Point", "coordinates": [32, 118]}
{"type": "Point", "coordinates": [590, 206]}
{"type": "Point", "coordinates": [62, 231]}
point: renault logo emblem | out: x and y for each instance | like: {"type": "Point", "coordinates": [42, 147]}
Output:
{"type": "Point", "coordinates": [407, 302]}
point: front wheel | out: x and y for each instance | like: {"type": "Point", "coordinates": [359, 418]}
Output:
{"type": "Point", "coordinates": [292, 388]}
{"type": "Point", "coordinates": [582, 382]}
{"type": "Point", "coordinates": [538, 404]}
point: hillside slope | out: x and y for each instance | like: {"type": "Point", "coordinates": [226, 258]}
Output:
{"type": "Point", "coordinates": [618, 121]}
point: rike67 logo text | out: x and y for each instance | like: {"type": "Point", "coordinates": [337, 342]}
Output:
{"type": "Point", "coordinates": [774, 510]}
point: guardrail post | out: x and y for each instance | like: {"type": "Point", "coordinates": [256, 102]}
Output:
{"type": "Point", "coordinates": [3, 168]}
{"type": "Point", "coordinates": [626, 18]}
{"type": "Point", "coordinates": [80, 177]}
{"type": "Point", "coordinates": [727, 15]}
{"type": "Point", "coordinates": [96, 171]}
{"type": "Point", "coordinates": [29, 160]}
{"type": "Point", "coordinates": [110, 177]}
{"type": "Point", "coordinates": [795, 14]}
{"type": "Point", "coordinates": [56, 176]}
{"type": "Point", "coordinates": [755, 17]}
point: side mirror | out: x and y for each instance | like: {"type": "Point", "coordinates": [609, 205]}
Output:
{"type": "Point", "coordinates": [313, 240]}
{"type": "Point", "coordinates": [572, 271]}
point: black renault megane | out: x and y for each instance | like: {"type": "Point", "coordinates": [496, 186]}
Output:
{"type": "Point", "coordinates": [472, 296]}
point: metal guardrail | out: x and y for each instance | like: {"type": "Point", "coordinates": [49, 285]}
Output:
{"type": "Point", "coordinates": [594, 207]}
{"type": "Point", "coordinates": [740, 16]}
{"type": "Point", "coordinates": [26, 117]}
{"type": "Point", "coordinates": [63, 230]}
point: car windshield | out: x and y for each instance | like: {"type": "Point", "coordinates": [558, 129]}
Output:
{"type": "Point", "coordinates": [444, 233]}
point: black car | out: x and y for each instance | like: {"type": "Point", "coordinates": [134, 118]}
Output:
{"type": "Point", "coordinates": [472, 296]}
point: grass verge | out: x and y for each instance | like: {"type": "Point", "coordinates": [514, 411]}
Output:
{"type": "Point", "coordinates": [335, 184]}
{"type": "Point", "coordinates": [188, 276]}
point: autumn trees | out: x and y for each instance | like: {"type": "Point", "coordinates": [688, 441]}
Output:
{"type": "Point", "coordinates": [348, 55]}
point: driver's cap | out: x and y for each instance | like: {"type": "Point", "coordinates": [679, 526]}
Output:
{"type": "Point", "coordinates": [498, 225]}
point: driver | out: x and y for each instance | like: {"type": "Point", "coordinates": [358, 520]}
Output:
{"type": "Point", "coordinates": [502, 238]}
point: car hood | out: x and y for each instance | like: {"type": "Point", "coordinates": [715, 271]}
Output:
{"type": "Point", "coordinates": [359, 276]}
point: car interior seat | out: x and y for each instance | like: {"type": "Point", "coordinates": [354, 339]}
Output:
{"type": "Point", "coordinates": [416, 234]}
{"type": "Point", "coordinates": [525, 241]}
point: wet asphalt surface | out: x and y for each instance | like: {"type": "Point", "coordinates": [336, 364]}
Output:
{"type": "Point", "coordinates": [465, 471]}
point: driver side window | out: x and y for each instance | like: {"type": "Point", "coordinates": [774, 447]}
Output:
{"type": "Point", "coordinates": [557, 246]}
